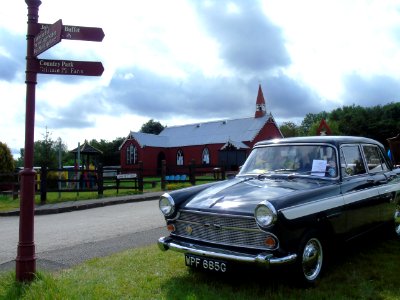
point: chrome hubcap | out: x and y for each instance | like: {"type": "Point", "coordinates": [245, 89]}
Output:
{"type": "Point", "coordinates": [397, 228]}
{"type": "Point", "coordinates": [312, 259]}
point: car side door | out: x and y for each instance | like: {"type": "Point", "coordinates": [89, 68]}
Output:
{"type": "Point", "coordinates": [386, 179]}
{"type": "Point", "coordinates": [360, 193]}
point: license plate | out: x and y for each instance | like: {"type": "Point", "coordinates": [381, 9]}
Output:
{"type": "Point", "coordinates": [205, 263]}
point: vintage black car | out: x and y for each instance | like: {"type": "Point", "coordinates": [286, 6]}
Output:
{"type": "Point", "coordinates": [289, 199]}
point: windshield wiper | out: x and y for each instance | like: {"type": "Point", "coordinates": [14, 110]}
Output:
{"type": "Point", "coordinates": [271, 173]}
{"type": "Point", "coordinates": [313, 174]}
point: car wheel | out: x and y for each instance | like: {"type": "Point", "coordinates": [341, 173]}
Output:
{"type": "Point", "coordinates": [310, 258]}
{"type": "Point", "coordinates": [397, 222]}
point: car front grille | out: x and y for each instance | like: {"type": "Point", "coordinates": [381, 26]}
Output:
{"type": "Point", "coordinates": [229, 230]}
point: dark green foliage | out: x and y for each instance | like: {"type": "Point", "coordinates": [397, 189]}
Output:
{"type": "Point", "coordinates": [111, 155]}
{"type": "Point", "coordinates": [289, 129]}
{"type": "Point", "coordinates": [46, 151]}
{"type": "Point", "coordinates": [153, 127]}
{"type": "Point", "coordinates": [309, 120]}
{"type": "Point", "coordinates": [6, 167]}
{"type": "Point", "coordinates": [376, 122]}
{"type": "Point", "coordinates": [6, 159]}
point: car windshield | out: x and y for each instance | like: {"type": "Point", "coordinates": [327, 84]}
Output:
{"type": "Point", "coordinates": [314, 160]}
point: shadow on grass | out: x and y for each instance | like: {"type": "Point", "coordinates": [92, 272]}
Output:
{"type": "Point", "coordinates": [364, 268]}
{"type": "Point", "coordinates": [241, 283]}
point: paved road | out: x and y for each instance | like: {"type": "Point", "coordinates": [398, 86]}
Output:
{"type": "Point", "coordinates": [69, 238]}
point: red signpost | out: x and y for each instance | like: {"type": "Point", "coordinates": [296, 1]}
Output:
{"type": "Point", "coordinates": [68, 67]}
{"type": "Point", "coordinates": [72, 32]}
{"type": "Point", "coordinates": [47, 38]}
{"type": "Point", "coordinates": [39, 39]}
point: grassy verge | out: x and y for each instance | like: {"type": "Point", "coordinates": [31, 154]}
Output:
{"type": "Point", "coordinates": [147, 273]}
{"type": "Point", "coordinates": [7, 203]}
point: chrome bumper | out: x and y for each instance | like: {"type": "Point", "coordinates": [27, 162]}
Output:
{"type": "Point", "coordinates": [267, 259]}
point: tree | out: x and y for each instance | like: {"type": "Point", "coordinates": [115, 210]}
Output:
{"type": "Point", "coordinates": [111, 155]}
{"type": "Point", "coordinates": [309, 120]}
{"type": "Point", "coordinates": [19, 162]}
{"type": "Point", "coordinates": [289, 129]}
{"type": "Point", "coordinates": [6, 166]}
{"type": "Point", "coordinates": [333, 125]}
{"type": "Point", "coordinates": [46, 153]}
{"type": "Point", "coordinates": [376, 122]}
{"type": "Point", "coordinates": [6, 159]}
{"type": "Point", "coordinates": [152, 126]}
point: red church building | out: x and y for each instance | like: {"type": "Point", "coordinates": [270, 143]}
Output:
{"type": "Point", "coordinates": [217, 143]}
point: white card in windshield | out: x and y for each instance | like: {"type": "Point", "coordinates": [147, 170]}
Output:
{"type": "Point", "coordinates": [318, 167]}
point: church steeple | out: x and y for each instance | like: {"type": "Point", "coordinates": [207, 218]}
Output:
{"type": "Point", "coordinates": [260, 104]}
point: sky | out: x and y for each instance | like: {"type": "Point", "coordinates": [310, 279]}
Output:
{"type": "Point", "coordinates": [187, 61]}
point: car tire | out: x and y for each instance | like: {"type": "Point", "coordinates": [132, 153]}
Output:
{"type": "Point", "coordinates": [310, 258]}
{"type": "Point", "coordinates": [397, 222]}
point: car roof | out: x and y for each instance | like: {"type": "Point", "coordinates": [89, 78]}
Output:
{"type": "Point", "coordinates": [334, 140]}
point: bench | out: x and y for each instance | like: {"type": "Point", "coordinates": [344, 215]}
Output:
{"type": "Point", "coordinates": [176, 178]}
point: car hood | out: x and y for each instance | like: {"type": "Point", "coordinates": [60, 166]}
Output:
{"type": "Point", "coordinates": [241, 195]}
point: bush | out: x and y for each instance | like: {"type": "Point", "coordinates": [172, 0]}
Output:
{"type": "Point", "coordinates": [6, 167]}
{"type": "Point", "coordinates": [6, 159]}
{"type": "Point", "coordinates": [177, 186]}
{"type": "Point", "coordinates": [53, 178]}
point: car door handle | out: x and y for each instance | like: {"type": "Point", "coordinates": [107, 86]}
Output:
{"type": "Point", "coordinates": [374, 182]}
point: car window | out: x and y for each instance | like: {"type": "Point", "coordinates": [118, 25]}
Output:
{"type": "Point", "coordinates": [374, 159]}
{"type": "Point", "coordinates": [351, 160]}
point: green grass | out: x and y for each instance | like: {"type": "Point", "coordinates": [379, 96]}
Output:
{"type": "Point", "coordinates": [7, 203]}
{"type": "Point", "coordinates": [366, 272]}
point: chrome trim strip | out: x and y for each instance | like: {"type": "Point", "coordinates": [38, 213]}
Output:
{"type": "Point", "coordinates": [166, 243]}
{"type": "Point", "coordinates": [354, 197]}
{"type": "Point", "coordinates": [324, 204]}
{"type": "Point", "coordinates": [216, 214]}
{"type": "Point", "coordinates": [390, 187]}
{"type": "Point", "coordinates": [310, 208]}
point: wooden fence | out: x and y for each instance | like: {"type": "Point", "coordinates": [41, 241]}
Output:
{"type": "Point", "coordinates": [9, 184]}
{"type": "Point", "coordinates": [106, 178]}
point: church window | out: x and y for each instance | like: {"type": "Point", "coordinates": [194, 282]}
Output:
{"type": "Point", "coordinates": [205, 157]}
{"type": "Point", "coordinates": [131, 155]}
{"type": "Point", "coordinates": [179, 158]}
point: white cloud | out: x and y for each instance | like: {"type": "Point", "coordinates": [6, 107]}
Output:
{"type": "Point", "coordinates": [187, 61]}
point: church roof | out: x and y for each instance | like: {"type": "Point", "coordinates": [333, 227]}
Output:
{"type": "Point", "coordinates": [147, 139]}
{"type": "Point", "coordinates": [214, 132]}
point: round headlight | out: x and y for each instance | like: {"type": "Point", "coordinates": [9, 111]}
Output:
{"type": "Point", "coordinates": [265, 214]}
{"type": "Point", "coordinates": [167, 205]}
